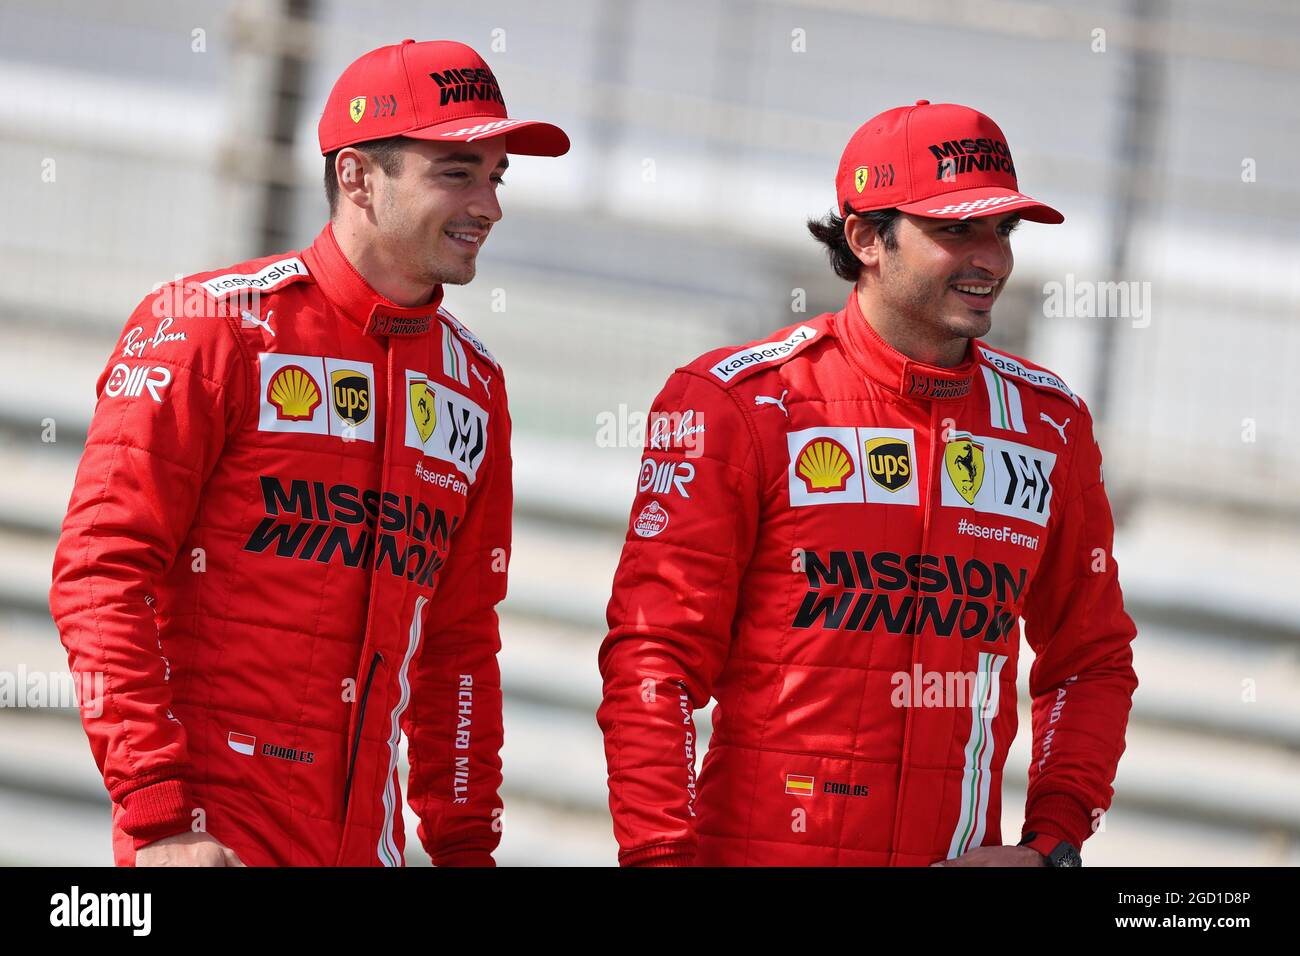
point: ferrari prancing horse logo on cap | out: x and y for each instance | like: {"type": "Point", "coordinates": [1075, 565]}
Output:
{"type": "Point", "coordinates": [860, 176]}
{"type": "Point", "coordinates": [357, 109]}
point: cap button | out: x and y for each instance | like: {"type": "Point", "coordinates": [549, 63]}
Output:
{"type": "Point", "coordinates": [408, 41]}
{"type": "Point", "coordinates": [922, 102]}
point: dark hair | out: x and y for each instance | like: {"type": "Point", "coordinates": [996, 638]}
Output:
{"type": "Point", "coordinates": [387, 153]}
{"type": "Point", "coordinates": [829, 231]}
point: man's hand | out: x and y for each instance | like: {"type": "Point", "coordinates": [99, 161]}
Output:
{"type": "Point", "coordinates": [997, 856]}
{"type": "Point", "coordinates": [187, 849]}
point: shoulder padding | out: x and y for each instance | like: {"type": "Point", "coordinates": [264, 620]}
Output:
{"type": "Point", "coordinates": [1013, 367]}
{"type": "Point", "coordinates": [261, 275]}
{"type": "Point", "coordinates": [730, 365]}
{"type": "Point", "coordinates": [473, 340]}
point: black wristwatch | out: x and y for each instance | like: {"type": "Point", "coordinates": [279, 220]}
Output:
{"type": "Point", "coordinates": [1053, 851]}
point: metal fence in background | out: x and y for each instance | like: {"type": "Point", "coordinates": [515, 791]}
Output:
{"type": "Point", "coordinates": [155, 138]}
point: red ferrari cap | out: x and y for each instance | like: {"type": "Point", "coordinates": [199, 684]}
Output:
{"type": "Point", "coordinates": [934, 159]}
{"type": "Point", "coordinates": [437, 90]}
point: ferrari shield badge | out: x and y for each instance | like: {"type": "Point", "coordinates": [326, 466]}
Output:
{"type": "Point", "coordinates": [964, 460]}
{"type": "Point", "coordinates": [422, 408]}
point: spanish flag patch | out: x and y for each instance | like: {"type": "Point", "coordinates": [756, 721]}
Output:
{"type": "Point", "coordinates": [799, 785]}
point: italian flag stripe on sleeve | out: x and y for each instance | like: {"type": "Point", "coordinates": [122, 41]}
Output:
{"type": "Point", "coordinates": [453, 357]}
{"type": "Point", "coordinates": [1004, 402]}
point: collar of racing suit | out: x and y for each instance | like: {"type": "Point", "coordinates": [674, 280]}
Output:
{"type": "Point", "coordinates": [891, 368]}
{"type": "Point", "coordinates": [354, 297]}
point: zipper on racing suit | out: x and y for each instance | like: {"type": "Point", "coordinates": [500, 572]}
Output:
{"type": "Point", "coordinates": [356, 737]}
{"type": "Point", "coordinates": [936, 441]}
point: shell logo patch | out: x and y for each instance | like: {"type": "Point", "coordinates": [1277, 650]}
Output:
{"type": "Point", "coordinates": [294, 390]}
{"type": "Point", "coordinates": [831, 465]}
{"type": "Point", "coordinates": [824, 465]}
{"type": "Point", "coordinates": [294, 394]}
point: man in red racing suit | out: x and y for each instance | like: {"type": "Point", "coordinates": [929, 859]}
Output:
{"type": "Point", "coordinates": [291, 527]}
{"type": "Point", "coordinates": [838, 542]}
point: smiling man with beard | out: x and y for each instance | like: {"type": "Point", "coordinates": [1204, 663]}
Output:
{"type": "Point", "coordinates": [865, 496]}
{"type": "Point", "coordinates": [291, 525]}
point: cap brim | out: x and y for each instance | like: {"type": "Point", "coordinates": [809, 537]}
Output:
{"type": "Point", "coordinates": [525, 137]}
{"type": "Point", "coordinates": [983, 201]}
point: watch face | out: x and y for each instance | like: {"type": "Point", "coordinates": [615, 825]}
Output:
{"type": "Point", "coordinates": [1066, 855]}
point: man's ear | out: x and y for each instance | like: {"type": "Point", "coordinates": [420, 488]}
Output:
{"type": "Point", "coordinates": [864, 240]}
{"type": "Point", "coordinates": [352, 167]}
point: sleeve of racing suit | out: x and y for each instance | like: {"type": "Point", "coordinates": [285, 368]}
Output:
{"type": "Point", "coordinates": [453, 723]}
{"type": "Point", "coordinates": [163, 415]}
{"type": "Point", "coordinates": [1082, 679]}
{"type": "Point", "coordinates": [692, 531]}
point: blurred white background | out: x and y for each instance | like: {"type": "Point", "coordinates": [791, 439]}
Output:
{"type": "Point", "coordinates": [144, 139]}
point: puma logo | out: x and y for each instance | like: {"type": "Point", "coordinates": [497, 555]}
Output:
{"type": "Point", "coordinates": [250, 319]}
{"type": "Point", "coordinates": [769, 400]}
{"type": "Point", "coordinates": [1059, 428]}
